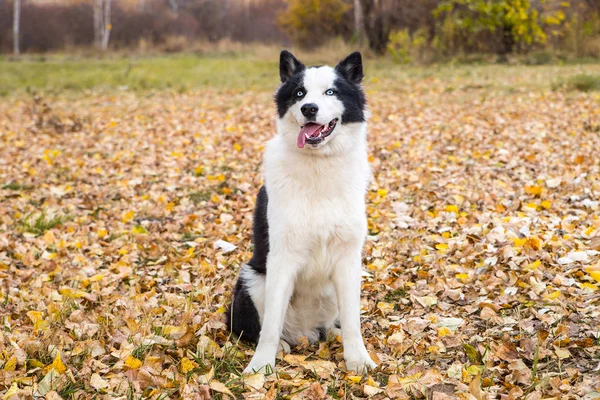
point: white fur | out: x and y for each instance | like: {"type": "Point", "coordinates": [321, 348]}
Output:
{"type": "Point", "coordinates": [317, 227]}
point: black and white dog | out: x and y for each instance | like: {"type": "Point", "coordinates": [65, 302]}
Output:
{"type": "Point", "coordinates": [309, 223]}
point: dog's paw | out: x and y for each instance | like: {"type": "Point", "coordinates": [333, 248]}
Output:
{"type": "Point", "coordinates": [361, 366]}
{"type": "Point", "coordinates": [284, 347]}
{"type": "Point", "coordinates": [358, 359]}
{"type": "Point", "coordinates": [260, 365]}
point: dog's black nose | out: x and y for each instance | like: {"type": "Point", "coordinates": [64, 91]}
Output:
{"type": "Point", "coordinates": [309, 110]}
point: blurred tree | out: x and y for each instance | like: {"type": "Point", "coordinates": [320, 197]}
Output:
{"type": "Point", "coordinates": [379, 14]}
{"type": "Point", "coordinates": [107, 25]}
{"type": "Point", "coordinates": [359, 22]}
{"type": "Point", "coordinates": [102, 24]}
{"type": "Point", "coordinates": [16, 26]}
{"type": "Point", "coordinates": [383, 17]}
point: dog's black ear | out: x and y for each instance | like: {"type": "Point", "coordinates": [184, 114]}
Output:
{"type": "Point", "coordinates": [288, 65]}
{"type": "Point", "coordinates": [351, 68]}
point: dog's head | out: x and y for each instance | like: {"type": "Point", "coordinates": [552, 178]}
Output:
{"type": "Point", "coordinates": [320, 106]}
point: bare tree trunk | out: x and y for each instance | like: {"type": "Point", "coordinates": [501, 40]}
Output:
{"type": "Point", "coordinates": [16, 26]}
{"type": "Point", "coordinates": [359, 21]}
{"type": "Point", "coordinates": [102, 25]}
{"type": "Point", "coordinates": [107, 27]}
{"type": "Point", "coordinates": [98, 23]}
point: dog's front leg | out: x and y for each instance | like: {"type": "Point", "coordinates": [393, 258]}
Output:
{"type": "Point", "coordinates": [346, 279]}
{"type": "Point", "coordinates": [281, 272]}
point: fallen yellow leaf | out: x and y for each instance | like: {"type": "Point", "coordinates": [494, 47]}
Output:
{"type": "Point", "coordinates": [58, 364]}
{"type": "Point", "coordinates": [441, 246]}
{"type": "Point", "coordinates": [132, 362]}
{"type": "Point", "coordinates": [552, 296]}
{"type": "Point", "coordinates": [128, 216]}
{"type": "Point", "coordinates": [38, 321]}
{"type": "Point", "coordinates": [11, 364]}
{"type": "Point", "coordinates": [532, 266]}
{"type": "Point", "coordinates": [474, 370]}
{"type": "Point", "coordinates": [589, 286]}
{"type": "Point", "coordinates": [12, 392]}
{"type": "Point", "coordinates": [595, 275]}
{"type": "Point", "coordinates": [592, 268]}
{"type": "Point", "coordinates": [382, 192]}
{"type": "Point", "coordinates": [174, 332]}
{"type": "Point", "coordinates": [452, 208]}
{"type": "Point", "coordinates": [187, 365]}
{"type": "Point", "coordinates": [518, 242]}
{"type": "Point", "coordinates": [533, 190]}
{"type": "Point", "coordinates": [444, 331]}
{"type": "Point", "coordinates": [139, 230]}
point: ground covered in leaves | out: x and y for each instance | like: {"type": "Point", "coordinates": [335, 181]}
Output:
{"type": "Point", "coordinates": [124, 219]}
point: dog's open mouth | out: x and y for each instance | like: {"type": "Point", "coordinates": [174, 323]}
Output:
{"type": "Point", "coordinates": [314, 134]}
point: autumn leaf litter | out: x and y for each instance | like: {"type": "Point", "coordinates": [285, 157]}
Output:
{"type": "Point", "coordinates": [125, 218]}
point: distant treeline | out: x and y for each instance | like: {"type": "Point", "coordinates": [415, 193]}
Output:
{"type": "Point", "coordinates": [57, 25]}
{"type": "Point", "coordinates": [409, 30]}
{"type": "Point", "coordinates": [424, 30]}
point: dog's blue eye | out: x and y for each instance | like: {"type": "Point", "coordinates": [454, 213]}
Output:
{"type": "Point", "coordinates": [329, 92]}
{"type": "Point", "coordinates": [299, 93]}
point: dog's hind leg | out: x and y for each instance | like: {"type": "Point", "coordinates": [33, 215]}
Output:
{"type": "Point", "coordinates": [243, 317]}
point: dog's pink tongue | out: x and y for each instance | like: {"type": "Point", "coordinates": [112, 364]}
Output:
{"type": "Point", "coordinates": [311, 129]}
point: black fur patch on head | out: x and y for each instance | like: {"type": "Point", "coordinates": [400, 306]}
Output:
{"type": "Point", "coordinates": [353, 98]}
{"type": "Point", "coordinates": [286, 94]}
{"type": "Point", "coordinates": [291, 72]}
{"type": "Point", "coordinates": [348, 88]}
{"type": "Point", "coordinates": [288, 65]}
{"type": "Point", "coordinates": [351, 68]}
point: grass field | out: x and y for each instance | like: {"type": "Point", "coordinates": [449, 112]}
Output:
{"type": "Point", "coordinates": [118, 177]}
{"type": "Point", "coordinates": [180, 73]}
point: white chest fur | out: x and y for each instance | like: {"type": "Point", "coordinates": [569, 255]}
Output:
{"type": "Point", "coordinates": [316, 215]}
{"type": "Point", "coordinates": [316, 203]}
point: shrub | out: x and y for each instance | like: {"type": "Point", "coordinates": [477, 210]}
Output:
{"type": "Point", "coordinates": [571, 27]}
{"type": "Point", "coordinates": [581, 82]}
{"type": "Point", "coordinates": [399, 44]}
{"type": "Point", "coordinates": [513, 23]}
{"type": "Point", "coordinates": [310, 23]}
{"type": "Point", "coordinates": [406, 48]}
{"type": "Point", "coordinates": [540, 58]}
